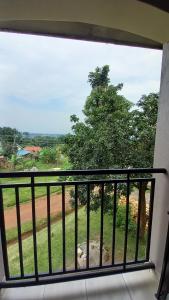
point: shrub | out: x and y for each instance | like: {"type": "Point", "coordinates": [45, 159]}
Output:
{"type": "Point", "coordinates": [48, 155]}
{"type": "Point", "coordinates": [121, 218]}
{"type": "Point", "coordinates": [28, 164]}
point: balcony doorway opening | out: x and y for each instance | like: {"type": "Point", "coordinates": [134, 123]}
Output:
{"type": "Point", "coordinates": [66, 106]}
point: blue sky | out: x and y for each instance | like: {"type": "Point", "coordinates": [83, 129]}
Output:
{"type": "Point", "coordinates": [44, 80]}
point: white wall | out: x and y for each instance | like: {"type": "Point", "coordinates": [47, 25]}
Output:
{"type": "Point", "coordinates": [161, 160]}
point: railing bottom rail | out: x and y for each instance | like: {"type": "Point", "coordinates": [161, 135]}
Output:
{"type": "Point", "coordinates": [87, 189]}
{"type": "Point", "coordinates": [78, 275]}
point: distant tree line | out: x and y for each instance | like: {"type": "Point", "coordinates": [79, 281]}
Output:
{"type": "Point", "coordinates": [42, 140]}
{"type": "Point", "coordinates": [11, 139]}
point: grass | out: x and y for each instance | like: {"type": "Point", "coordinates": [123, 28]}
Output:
{"type": "Point", "coordinates": [12, 233]}
{"type": "Point", "coordinates": [56, 239]}
{"type": "Point", "coordinates": [25, 193]}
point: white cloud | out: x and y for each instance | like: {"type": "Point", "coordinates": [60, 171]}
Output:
{"type": "Point", "coordinates": [44, 79]}
{"type": "Point", "coordinates": [33, 122]}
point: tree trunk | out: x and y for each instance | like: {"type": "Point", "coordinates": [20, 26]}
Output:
{"type": "Point", "coordinates": [143, 210]}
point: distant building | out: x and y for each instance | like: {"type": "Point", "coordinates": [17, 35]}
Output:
{"type": "Point", "coordinates": [33, 149]}
{"type": "Point", "coordinates": [23, 153]}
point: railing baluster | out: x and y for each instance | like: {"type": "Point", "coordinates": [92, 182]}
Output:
{"type": "Point", "coordinates": [22, 279]}
{"type": "Point", "coordinates": [114, 223]}
{"type": "Point", "coordinates": [49, 230]}
{"type": "Point", "coordinates": [63, 228]}
{"type": "Point", "coordinates": [76, 224]}
{"type": "Point", "coordinates": [150, 218]}
{"type": "Point", "coordinates": [34, 228]}
{"type": "Point", "coordinates": [127, 221]}
{"type": "Point", "coordinates": [3, 237]}
{"type": "Point", "coordinates": [88, 226]}
{"type": "Point", "coordinates": [138, 222]}
{"type": "Point", "coordinates": [19, 232]}
{"type": "Point", "coordinates": [101, 224]}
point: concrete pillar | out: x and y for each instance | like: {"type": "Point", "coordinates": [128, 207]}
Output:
{"type": "Point", "coordinates": [161, 160]}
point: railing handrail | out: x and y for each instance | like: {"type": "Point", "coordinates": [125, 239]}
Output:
{"type": "Point", "coordinates": [89, 184]}
{"type": "Point", "coordinates": [18, 174]}
{"type": "Point", "coordinates": [70, 183]}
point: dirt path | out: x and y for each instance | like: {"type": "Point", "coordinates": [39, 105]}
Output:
{"type": "Point", "coordinates": [41, 209]}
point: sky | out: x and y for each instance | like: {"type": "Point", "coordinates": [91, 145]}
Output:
{"type": "Point", "coordinates": [43, 80]}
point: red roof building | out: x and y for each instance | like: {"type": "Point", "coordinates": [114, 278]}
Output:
{"type": "Point", "coordinates": [33, 149]}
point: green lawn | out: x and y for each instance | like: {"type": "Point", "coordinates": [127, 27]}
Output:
{"type": "Point", "coordinates": [25, 193]}
{"type": "Point", "coordinates": [12, 233]}
{"type": "Point", "coordinates": [56, 235]}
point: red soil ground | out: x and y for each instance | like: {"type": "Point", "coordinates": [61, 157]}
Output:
{"type": "Point", "coordinates": [41, 210]}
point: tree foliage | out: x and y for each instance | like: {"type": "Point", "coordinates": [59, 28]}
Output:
{"type": "Point", "coordinates": [112, 135]}
{"type": "Point", "coordinates": [9, 139]}
{"type": "Point", "coordinates": [51, 155]}
{"type": "Point", "coordinates": [48, 155]}
{"type": "Point", "coordinates": [41, 140]}
{"type": "Point", "coordinates": [144, 120]}
{"type": "Point", "coordinates": [99, 78]}
{"type": "Point", "coordinates": [101, 141]}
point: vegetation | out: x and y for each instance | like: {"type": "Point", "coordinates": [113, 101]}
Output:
{"type": "Point", "coordinates": [25, 193]}
{"type": "Point", "coordinates": [113, 135]}
{"type": "Point", "coordinates": [56, 235]}
{"type": "Point", "coordinates": [41, 140]}
{"type": "Point", "coordinates": [51, 155]}
{"type": "Point", "coordinates": [12, 233]}
{"type": "Point", "coordinates": [49, 159]}
{"type": "Point", "coordinates": [144, 120]}
{"type": "Point", "coordinates": [102, 139]}
{"type": "Point", "coordinates": [9, 138]}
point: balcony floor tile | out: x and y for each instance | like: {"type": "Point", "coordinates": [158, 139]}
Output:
{"type": "Point", "coordinates": [25, 293]}
{"type": "Point", "coordinates": [106, 288]}
{"type": "Point", "coordinates": [141, 284]}
{"type": "Point", "coordinates": [73, 290]}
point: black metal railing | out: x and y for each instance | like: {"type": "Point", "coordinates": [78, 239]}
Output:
{"type": "Point", "coordinates": [12, 181]}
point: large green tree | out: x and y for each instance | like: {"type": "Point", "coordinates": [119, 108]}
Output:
{"type": "Point", "coordinates": [113, 135]}
{"type": "Point", "coordinates": [102, 140]}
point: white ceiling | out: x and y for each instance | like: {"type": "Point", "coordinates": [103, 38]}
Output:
{"type": "Point", "coordinates": [124, 21]}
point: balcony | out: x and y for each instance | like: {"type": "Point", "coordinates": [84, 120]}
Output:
{"type": "Point", "coordinates": [138, 285]}
{"type": "Point", "coordinates": [131, 255]}
{"type": "Point", "coordinates": [115, 22]}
